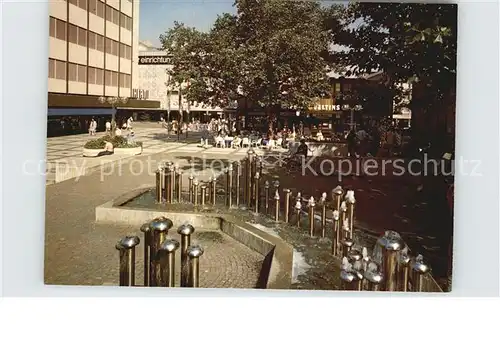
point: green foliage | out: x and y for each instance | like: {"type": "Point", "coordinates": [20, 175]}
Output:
{"type": "Point", "coordinates": [409, 42]}
{"type": "Point", "coordinates": [270, 52]}
{"type": "Point", "coordinates": [117, 141]}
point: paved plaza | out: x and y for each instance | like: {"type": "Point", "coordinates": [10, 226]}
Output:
{"type": "Point", "coordinates": [80, 252]}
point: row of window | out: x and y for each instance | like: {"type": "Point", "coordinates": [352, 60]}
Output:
{"type": "Point", "coordinates": [102, 10]}
{"type": "Point", "coordinates": [78, 73]}
{"type": "Point", "coordinates": [78, 35]}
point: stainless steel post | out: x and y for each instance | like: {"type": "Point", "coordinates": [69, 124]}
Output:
{"type": "Point", "coordinates": [419, 270]}
{"type": "Point", "coordinates": [374, 278]}
{"type": "Point", "coordinates": [391, 243]}
{"type": "Point", "coordinates": [190, 186]}
{"type": "Point", "coordinates": [350, 201]}
{"type": "Point", "coordinates": [158, 186]}
{"type": "Point", "coordinates": [203, 194]}
{"type": "Point", "coordinates": [196, 191]}
{"type": "Point", "coordinates": [173, 171]}
{"type": "Point", "coordinates": [287, 204]}
{"type": "Point", "coordinates": [336, 233]}
{"type": "Point", "coordinates": [230, 185]}
{"type": "Point", "coordinates": [167, 262]}
{"type": "Point", "coordinates": [147, 242]}
{"type": "Point", "coordinates": [214, 190]}
{"type": "Point", "coordinates": [277, 206]}
{"type": "Point", "coordinates": [126, 247]}
{"type": "Point", "coordinates": [312, 205]}
{"type": "Point", "coordinates": [298, 209]}
{"type": "Point", "coordinates": [346, 246]}
{"type": "Point", "coordinates": [179, 186]}
{"type": "Point", "coordinates": [159, 228]}
{"type": "Point", "coordinates": [403, 271]}
{"type": "Point", "coordinates": [266, 197]}
{"type": "Point", "coordinates": [354, 256]}
{"type": "Point", "coordinates": [194, 253]}
{"type": "Point", "coordinates": [185, 231]}
{"type": "Point", "coordinates": [238, 180]}
{"type": "Point", "coordinates": [323, 214]}
{"type": "Point", "coordinates": [337, 197]}
{"type": "Point", "coordinates": [257, 192]}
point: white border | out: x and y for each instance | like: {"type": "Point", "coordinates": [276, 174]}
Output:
{"type": "Point", "coordinates": [24, 104]}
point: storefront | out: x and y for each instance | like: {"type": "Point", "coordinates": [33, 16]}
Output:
{"type": "Point", "coordinates": [71, 114]}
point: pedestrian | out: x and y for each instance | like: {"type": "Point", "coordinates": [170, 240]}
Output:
{"type": "Point", "coordinates": [108, 127]}
{"type": "Point", "coordinates": [351, 143]}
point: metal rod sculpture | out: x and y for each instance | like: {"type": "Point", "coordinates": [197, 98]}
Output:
{"type": "Point", "coordinates": [203, 195]}
{"type": "Point", "coordinates": [167, 262]}
{"type": "Point", "coordinates": [336, 233]}
{"type": "Point", "coordinates": [351, 280]}
{"type": "Point", "coordinates": [238, 180]}
{"type": "Point", "coordinates": [229, 190]}
{"type": "Point", "coordinates": [323, 214]}
{"type": "Point", "coordinates": [190, 186]}
{"type": "Point", "coordinates": [196, 184]}
{"type": "Point", "coordinates": [287, 205]}
{"type": "Point", "coordinates": [373, 277]}
{"type": "Point", "coordinates": [311, 204]}
{"type": "Point", "coordinates": [173, 172]}
{"type": "Point", "coordinates": [185, 231]}
{"type": "Point", "coordinates": [350, 201]}
{"type": "Point", "coordinates": [249, 180]}
{"type": "Point", "coordinates": [147, 242]}
{"type": "Point", "coordinates": [257, 194]}
{"type": "Point", "coordinates": [159, 177]}
{"type": "Point", "coordinates": [214, 190]}
{"type": "Point", "coordinates": [179, 186]}
{"type": "Point", "coordinates": [391, 243]}
{"type": "Point", "coordinates": [126, 247]}
{"type": "Point", "coordinates": [346, 242]}
{"type": "Point", "coordinates": [167, 182]}
{"type": "Point", "coordinates": [194, 253]}
{"type": "Point", "coordinates": [159, 228]}
{"type": "Point", "coordinates": [337, 197]}
{"type": "Point", "coordinates": [276, 185]}
{"type": "Point", "coordinates": [277, 206]}
{"type": "Point", "coordinates": [298, 209]}
{"type": "Point", "coordinates": [403, 270]}
{"type": "Point", "coordinates": [266, 197]}
{"type": "Point", "coordinates": [419, 269]}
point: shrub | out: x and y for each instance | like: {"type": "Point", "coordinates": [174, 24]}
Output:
{"type": "Point", "coordinates": [95, 144]}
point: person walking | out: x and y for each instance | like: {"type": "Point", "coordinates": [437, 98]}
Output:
{"type": "Point", "coordinates": [108, 127]}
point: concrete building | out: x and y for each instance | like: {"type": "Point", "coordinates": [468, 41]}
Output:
{"type": "Point", "coordinates": [155, 83]}
{"type": "Point", "coordinates": [93, 46]}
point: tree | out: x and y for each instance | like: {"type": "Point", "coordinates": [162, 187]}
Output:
{"type": "Point", "coordinates": [409, 42]}
{"type": "Point", "coordinates": [270, 52]}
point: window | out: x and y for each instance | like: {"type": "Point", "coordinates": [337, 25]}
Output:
{"type": "Point", "coordinates": [91, 73]}
{"type": "Point", "coordinates": [100, 42]}
{"type": "Point", "coordinates": [125, 51]}
{"type": "Point", "coordinates": [93, 6]}
{"type": "Point", "coordinates": [72, 72]}
{"type": "Point", "coordinates": [82, 4]}
{"type": "Point", "coordinates": [82, 74]}
{"type": "Point", "coordinates": [52, 27]}
{"type": "Point", "coordinates": [109, 13]}
{"type": "Point", "coordinates": [337, 87]}
{"type": "Point", "coordinates": [92, 41]}
{"type": "Point", "coordinates": [347, 87]}
{"type": "Point", "coordinates": [125, 21]}
{"type": "Point", "coordinates": [52, 68]}
{"type": "Point", "coordinates": [107, 75]}
{"type": "Point", "coordinates": [100, 9]}
{"type": "Point", "coordinates": [77, 73]}
{"type": "Point", "coordinates": [112, 47]}
{"type": "Point", "coordinates": [82, 37]}
{"type": "Point", "coordinates": [114, 79]}
{"type": "Point", "coordinates": [124, 80]}
{"type": "Point", "coordinates": [99, 76]}
{"type": "Point", "coordinates": [108, 46]}
{"type": "Point", "coordinates": [57, 28]}
{"type": "Point", "coordinates": [73, 34]}
{"type": "Point", "coordinates": [116, 17]}
{"type": "Point", "coordinates": [74, 2]}
{"type": "Point", "coordinates": [60, 69]}
{"type": "Point", "coordinates": [112, 15]}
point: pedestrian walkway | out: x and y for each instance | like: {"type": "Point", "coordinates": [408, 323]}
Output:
{"type": "Point", "coordinates": [65, 160]}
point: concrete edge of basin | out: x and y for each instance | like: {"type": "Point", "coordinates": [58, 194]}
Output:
{"type": "Point", "coordinates": [276, 272]}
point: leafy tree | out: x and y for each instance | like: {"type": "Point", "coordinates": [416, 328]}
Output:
{"type": "Point", "coordinates": [409, 42]}
{"type": "Point", "coordinates": [270, 52]}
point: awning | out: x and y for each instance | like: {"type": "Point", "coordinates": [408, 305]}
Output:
{"type": "Point", "coordinates": [79, 111]}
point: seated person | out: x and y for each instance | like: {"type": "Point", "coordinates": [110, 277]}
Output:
{"type": "Point", "coordinates": [319, 136]}
{"type": "Point", "coordinates": [301, 152]}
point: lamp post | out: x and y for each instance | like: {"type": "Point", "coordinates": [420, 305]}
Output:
{"type": "Point", "coordinates": [167, 86]}
{"type": "Point", "coordinates": [113, 101]}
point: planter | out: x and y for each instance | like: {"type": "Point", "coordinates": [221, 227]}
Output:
{"type": "Point", "coordinates": [128, 150]}
{"type": "Point", "coordinates": [94, 152]}
{"type": "Point", "coordinates": [131, 151]}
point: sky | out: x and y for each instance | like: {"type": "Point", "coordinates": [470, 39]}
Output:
{"type": "Point", "coordinates": [156, 16]}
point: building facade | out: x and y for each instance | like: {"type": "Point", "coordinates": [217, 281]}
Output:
{"type": "Point", "coordinates": [155, 83]}
{"type": "Point", "coordinates": [92, 49]}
